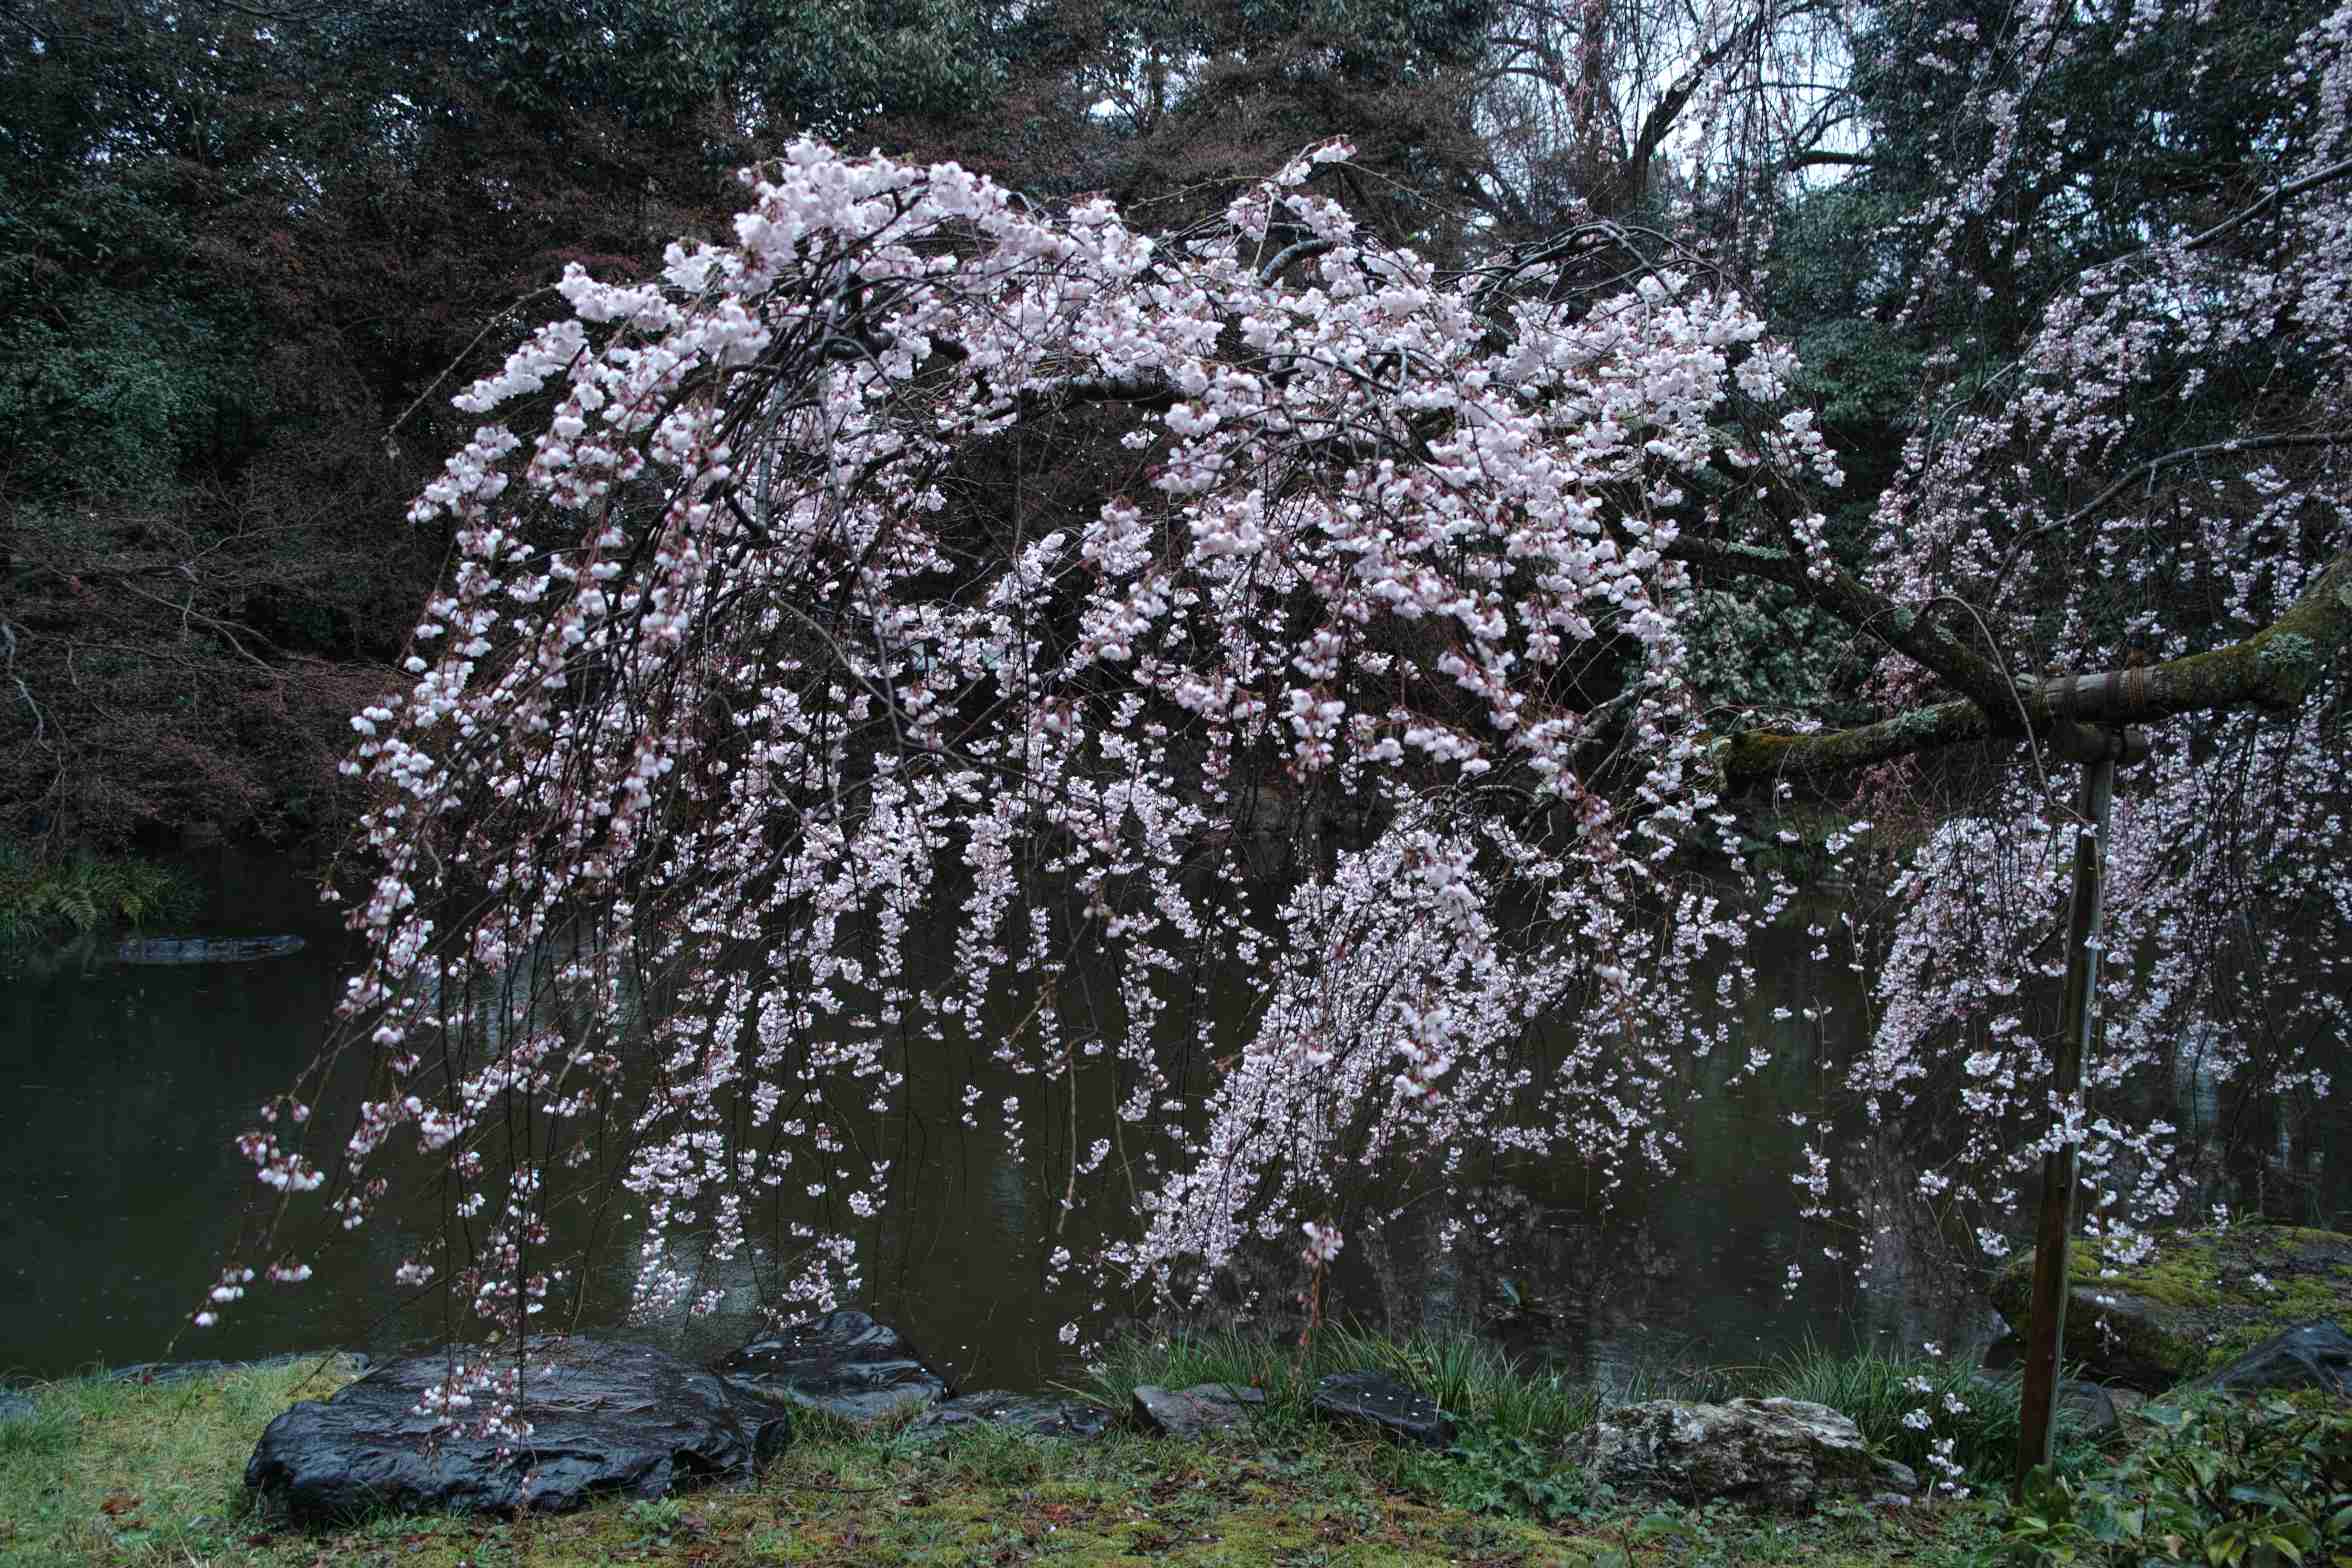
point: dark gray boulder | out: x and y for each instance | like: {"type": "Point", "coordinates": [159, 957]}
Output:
{"type": "Point", "coordinates": [605, 1419]}
{"type": "Point", "coordinates": [16, 1407]}
{"type": "Point", "coordinates": [2314, 1355]}
{"type": "Point", "coordinates": [1381, 1400]}
{"type": "Point", "coordinates": [2086, 1408]}
{"type": "Point", "coordinates": [1033, 1415]}
{"type": "Point", "coordinates": [1771, 1451]}
{"type": "Point", "coordinates": [844, 1363]}
{"type": "Point", "coordinates": [1899, 1479]}
{"type": "Point", "coordinates": [1198, 1411]}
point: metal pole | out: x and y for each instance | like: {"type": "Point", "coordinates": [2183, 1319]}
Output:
{"type": "Point", "coordinates": [2046, 1329]}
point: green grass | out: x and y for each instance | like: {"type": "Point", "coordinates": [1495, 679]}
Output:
{"type": "Point", "coordinates": [105, 1471]}
{"type": "Point", "coordinates": [1470, 1379]}
{"type": "Point", "coordinates": [112, 1474]}
{"type": "Point", "coordinates": [1878, 1390]}
{"type": "Point", "coordinates": [41, 900]}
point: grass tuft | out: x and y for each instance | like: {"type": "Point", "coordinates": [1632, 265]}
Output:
{"type": "Point", "coordinates": [1475, 1382]}
{"type": "Point", "coordinates": [108, 1471]}
{"type": "Point", "coordinates": [1877, 1391]}
{"type": "Point", "coordinates": [1471, 1380]}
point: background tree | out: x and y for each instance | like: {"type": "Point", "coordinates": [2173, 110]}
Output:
{"type": "Point", "coordinates": [243, 248]}
{"type": "Point", "coordinates": [2081, 356]}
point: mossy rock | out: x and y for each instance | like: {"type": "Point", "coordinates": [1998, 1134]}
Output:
{"type": "Point", "coordinates": [2193, 1304]}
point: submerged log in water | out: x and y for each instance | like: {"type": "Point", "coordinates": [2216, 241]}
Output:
{"type": "Point", "coordinates": [204, 949]}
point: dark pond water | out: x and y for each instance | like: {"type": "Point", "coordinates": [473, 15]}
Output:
{"type": "Point", "coordinates": [121, 1086]}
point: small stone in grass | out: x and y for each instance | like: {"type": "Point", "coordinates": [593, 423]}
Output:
{"type": "Point", "coordinates": [1382, 1401]}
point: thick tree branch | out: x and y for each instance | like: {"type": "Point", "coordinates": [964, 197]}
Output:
{"type": "Point", "coordinates": [1818, 159]}
{"type": "Point", "coordinates": [1296, 251]}
{"type": "Point", "coordinates": [1147, 389]}
{"type": "Point", "coordinates": [2269, 672]}
{"type": "Point", "coordinates": [1660, 120]}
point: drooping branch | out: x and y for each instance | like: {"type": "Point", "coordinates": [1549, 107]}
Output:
{"type": "Point", "coordinates": [2270, 672]}
{"type": "Point", "coordinates": [2269, 199]}
{"type": "Point", "coordinates": [2144, 471]}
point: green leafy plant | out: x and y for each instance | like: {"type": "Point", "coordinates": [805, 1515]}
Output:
{"type": "Point", "coordinates": [2229, 1484]}
{"type": "Point", "coordinates": [41, 899]}
{"type": "Point", "coordinates": [1493, 1474]}
{"type": "Point", "coordinates": [657, 1518]}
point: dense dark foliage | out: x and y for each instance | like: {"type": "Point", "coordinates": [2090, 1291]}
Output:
{"type": "Point", "coordinates": [246, 252]}
{"type": "Point", "coordinates": [243, 253]}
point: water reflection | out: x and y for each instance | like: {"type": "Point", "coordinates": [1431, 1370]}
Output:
{"type": "Point", "coordinates": [119, 1089]}
{"type": "Point", "coordinates": [122, 1087]}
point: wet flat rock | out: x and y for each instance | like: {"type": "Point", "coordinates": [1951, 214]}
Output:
{"type": "Point", "coordinates": [1382, 1401]}
{"type": "Point", "coordinates": [1197, 1411]}
{"type": "Point", "coordinates": [606, 1419]}
{"type": "Point", "coordinates": [844, 1363]}
{"type": "Point", "coordinates": [1034, 1415]}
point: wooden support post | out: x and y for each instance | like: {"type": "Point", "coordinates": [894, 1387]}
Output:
{"type": "Point", "coordinates": [2046, 1327]}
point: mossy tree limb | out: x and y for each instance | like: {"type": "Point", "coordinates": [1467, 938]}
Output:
{"type": "Point", "coordinates": [2269, 672]}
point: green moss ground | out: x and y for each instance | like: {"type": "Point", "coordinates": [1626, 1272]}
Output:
{"type": "Point", "coordinates": [2199, 1283]}
{"type": "Point", "coordinates": [108, 1473]}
